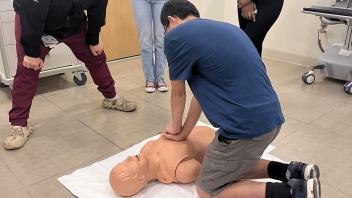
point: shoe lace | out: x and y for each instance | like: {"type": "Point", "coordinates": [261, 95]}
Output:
{"type": "Point", "coordinates": [150, 84]}
{"type": "Point", "coordinates": [161, 84]}
{"type": "Point", "coordinates": [18, 132]}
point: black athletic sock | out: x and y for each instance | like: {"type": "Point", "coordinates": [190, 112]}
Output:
{"type": "Point", "coordinates": [277, 170]}
{"type": "Point", "coordinates": [277, 190]}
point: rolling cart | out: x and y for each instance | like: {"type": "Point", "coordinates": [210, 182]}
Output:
{"type": "Point", "coordinates": [336, 60]}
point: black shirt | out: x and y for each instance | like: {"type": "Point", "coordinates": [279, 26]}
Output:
{"type": "Point", "coordinates": [58, 18]}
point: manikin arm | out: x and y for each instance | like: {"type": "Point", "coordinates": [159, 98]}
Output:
{"type": "Point", "coordinates": [188, 171]}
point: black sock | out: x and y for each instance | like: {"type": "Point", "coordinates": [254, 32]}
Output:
{"type": "Point", "coordinates": [277, 170]}
{"type": "Point", "coordinates": [277, 190]}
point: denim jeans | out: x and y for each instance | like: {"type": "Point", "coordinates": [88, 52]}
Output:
{"type": "Point", "coordinates": [151, 37]}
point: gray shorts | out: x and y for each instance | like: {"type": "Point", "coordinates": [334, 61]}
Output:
{"type": "Point", "coordinates": [228, 161]}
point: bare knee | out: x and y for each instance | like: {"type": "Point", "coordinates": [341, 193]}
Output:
{"type": "Point", "coordinates": [201, 193]}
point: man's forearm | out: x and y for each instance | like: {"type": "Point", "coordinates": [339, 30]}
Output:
{"type": "Point", "coordinates": [193, 115]}
{"type": "Point", "coordinates": [178, 101]}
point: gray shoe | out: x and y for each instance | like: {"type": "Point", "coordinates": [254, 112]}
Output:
{"type": "Point", "coordinates": [119, 104]}
{"type": "Point", "coordinates": [301, 188]}
{"type": "Point", "coordinates": [299, 170]}
{"type": "Point", "coordinates": [17, 138]}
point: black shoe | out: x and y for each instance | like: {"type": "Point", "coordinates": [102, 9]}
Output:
{"type": "Point", "coordinates": [301, 188]}
{"type": "Point", "coordinates": [299, 170]}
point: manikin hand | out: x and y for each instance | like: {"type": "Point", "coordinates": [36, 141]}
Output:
{"type": "Point", "coordinates": [33, 63]}
{"type": "Point", "coordinates": [96, 49]}
{"type": "Point", "coordinates": [249, 11]}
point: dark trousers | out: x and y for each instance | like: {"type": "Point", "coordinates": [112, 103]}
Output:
{"type": "Point", "coordinates": [268, 12]}
{"type": "Point", "coordinates": [25, 82]}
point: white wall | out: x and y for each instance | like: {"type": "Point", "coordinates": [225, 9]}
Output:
{"type": "Point", "coordinates": [212, 9]}
{"type": "Point", "coordinates": [294, 33]}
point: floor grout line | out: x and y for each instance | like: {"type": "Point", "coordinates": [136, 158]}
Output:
{"type": "Point", "coordinates": [102, 136]}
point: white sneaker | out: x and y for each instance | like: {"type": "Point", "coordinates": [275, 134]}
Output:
{"type": "Point", "coordinates": [150, 87]}
{"type": "Point", "coordinates": [162, 87]}
{"type": "Point", "coordinates": [120, 104]}
{"type": "Point", "coordinates": [17, 138]}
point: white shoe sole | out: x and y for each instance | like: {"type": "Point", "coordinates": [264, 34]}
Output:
{"type": "Point", "coordinates": [313, 188]}
{"type": "Point", "coordinates": [311, 171]}
{"type": "Point", "coordinates": [164, 89]}
{"type": "Point", "coordinates": [150, 90]}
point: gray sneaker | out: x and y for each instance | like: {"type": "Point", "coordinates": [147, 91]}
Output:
{"type": "Point", "coordinates": [119, 104]}
{"type": "Point", "coordinates": [301, 188]}
{"type": "Point", "coordinates": [299, 170]}
{"type": "Point", "coordinates": [17, 138]}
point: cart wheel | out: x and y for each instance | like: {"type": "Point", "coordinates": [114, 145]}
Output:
{"type": "Point", "coordinates": [308, 78]}
{"type": "Point", "coordinates": [82, 81]}
{"type": "Point", "coordinates": [348, 87]}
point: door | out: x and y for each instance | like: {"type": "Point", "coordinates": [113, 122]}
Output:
{"type": "Point", "coordinates": [119, 35]}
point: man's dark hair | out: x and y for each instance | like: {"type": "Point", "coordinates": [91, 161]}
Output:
{"type": "Point", "coordinates": [179, 8]}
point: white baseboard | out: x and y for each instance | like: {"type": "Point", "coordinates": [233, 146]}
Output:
{"type": "Point", "coordinates": [291, 58]}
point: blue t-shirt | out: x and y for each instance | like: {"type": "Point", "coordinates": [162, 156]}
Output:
{"type": "Point", "coordinates": [226, 75]}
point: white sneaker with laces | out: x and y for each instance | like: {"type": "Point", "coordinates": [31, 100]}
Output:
{"type": "Point", "coordinates": [150, 87]}
{"type": "Point", "coordinates": [162, 87]}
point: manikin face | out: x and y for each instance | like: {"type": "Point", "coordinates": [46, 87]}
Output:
{"type": "Point", "coordinates": [129, 177]}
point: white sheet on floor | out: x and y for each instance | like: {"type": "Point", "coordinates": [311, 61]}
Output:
{"type": "Point", "coordinates": [93, 181]}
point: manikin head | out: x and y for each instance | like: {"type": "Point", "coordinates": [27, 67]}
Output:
{"type": "Point", "coordinates": [176, 12]}
{"type": "Point", "coordinates": [130, 176]}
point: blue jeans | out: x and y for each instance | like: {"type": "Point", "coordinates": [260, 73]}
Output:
{"type": "Point", "coordinates": [151, 36]}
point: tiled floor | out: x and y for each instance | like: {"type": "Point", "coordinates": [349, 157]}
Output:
{"type": "Point", "coordinates": [73, 131]}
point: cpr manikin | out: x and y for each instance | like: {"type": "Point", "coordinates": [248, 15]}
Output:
{"type": "Point", "coordinates": [162, 160]}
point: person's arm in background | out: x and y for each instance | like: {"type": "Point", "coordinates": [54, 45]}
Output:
{"type": "Point", "coordinates": [248, 9]}
{"type": "Point", "coordinates": [242, 3]}
{"type": "Point", "coordinates": [32, 17]}
{"type": "Point", "coordinates": [96, 11]}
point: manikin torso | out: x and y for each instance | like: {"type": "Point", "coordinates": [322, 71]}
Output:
{"type": "Point", "coordinates": [164, 152]}
{"type": "Point", "coordinates": [169, 162]}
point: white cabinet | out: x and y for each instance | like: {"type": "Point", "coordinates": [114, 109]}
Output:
{"type": "Point", "coordinates": [60, 56]}
{"type": "Point", "coordinates": [10, 60]}
{"type": "Point", "coordinates": [6, 5]}
{"type": "Point", "coordinates": [9, 33]}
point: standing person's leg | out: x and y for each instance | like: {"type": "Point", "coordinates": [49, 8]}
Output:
{"type": "Point", "coordinates": [268, 13]}
{"type": "Point", "coordinates": [23, 91]}
{"type": "Point", "coordinates": [160, 61]}
{"type": "Point", "coordinates": [142, 10]}
{"type": "Point", "coordinates": [99, 71]}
